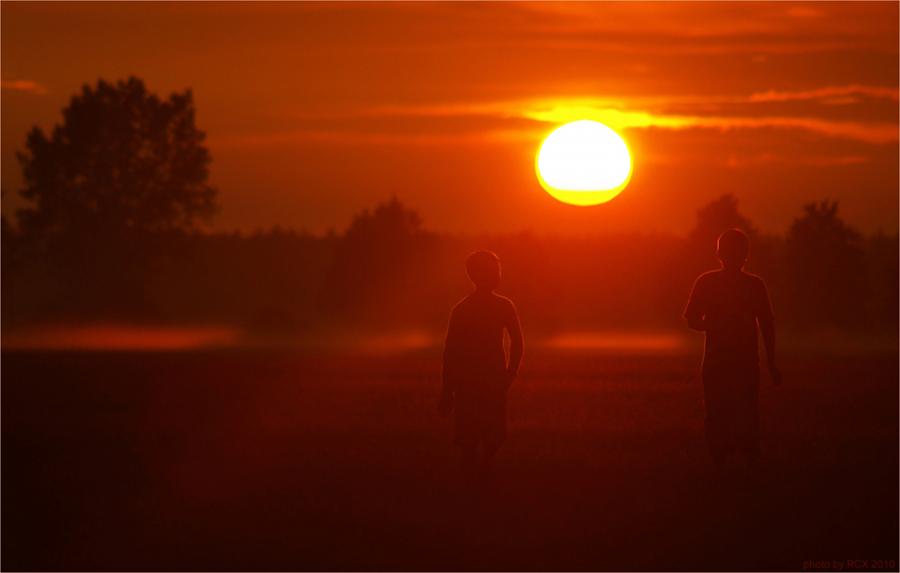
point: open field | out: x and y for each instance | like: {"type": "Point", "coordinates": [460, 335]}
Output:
{"type": "Point", "coordinates": [276, 459]}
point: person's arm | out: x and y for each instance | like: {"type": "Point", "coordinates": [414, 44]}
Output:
{"type": "Point", "coordinates": [694, 312]}
{"type": "Point", "coordinates": [766, 320]}
{"type": "Point", "coordinates": [445, 406]}
{"type": "Point", "coordinates": [516, 343]}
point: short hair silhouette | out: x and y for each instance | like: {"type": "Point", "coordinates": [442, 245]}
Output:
{"type": "Point", "coordinates": [733, 247]}
{"type": "Point", "coordinates": [483, 268]}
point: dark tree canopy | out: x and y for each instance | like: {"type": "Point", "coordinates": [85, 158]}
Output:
{"type": "Point", "coordinates": [122, 160]}
{"type": "Point", "coordinates": [821, 230]}
{"type": "Point", "coordinates": [716, 217]}
{"type": "Point", "coordinates": [390, 223]}
{"type": "Point", "coordinates": [712, 220]}
{"type": "Point", "coordinates": [827, 267]}
{"type": "Point", "coordinates": [376, 257]}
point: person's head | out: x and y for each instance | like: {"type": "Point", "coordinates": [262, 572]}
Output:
{"type": "Point", "coordinates": [734, 248]}
{"type": "Point", "coordinates": [483, 268]}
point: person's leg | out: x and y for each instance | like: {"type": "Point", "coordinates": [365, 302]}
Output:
{"type": "Point", "coordinates": [494, 428]}
{"type": "Point", "coordinates": [470, 464]}
{"type": "Point", "coordinates": [488, 453]}
{"type": "Point", "coordinates": [749, 439]}
{"type": "Point", "coordinates": [754, 453]}
{"type": "Point", "coordinates": [714, 424]}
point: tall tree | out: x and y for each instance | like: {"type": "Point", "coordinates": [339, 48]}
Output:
{"type": "Point", "coordinates": [374, 276]}
{"type": "Point", "coordinates": [826, 268]}
{"type": "Point", "coordinates": [716, 217]}
{"type": "Point", "coordinates": [123, 159]}
{"type": "Point", "coordinates": [124, 169]}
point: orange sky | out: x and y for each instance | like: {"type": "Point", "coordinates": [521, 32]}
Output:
{"type": "Point", "coordinates": [316, 111]}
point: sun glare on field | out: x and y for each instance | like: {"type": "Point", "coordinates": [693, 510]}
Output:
{"type": "Point", "coordinates": [583, 163]}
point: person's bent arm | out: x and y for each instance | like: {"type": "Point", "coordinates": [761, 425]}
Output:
{"type": "Point", "coordinates": [445, 406]}
{"type": "Point", "coordinates": [696, 321]}
{"type": "Point", "coordinates": [766, 321]}
{"type": "Point", "coordinates": [767, 327]}
{"type": "Point", "coordinates": [516, 346]}
{"type": "Point", "coordinates": [694, 312]}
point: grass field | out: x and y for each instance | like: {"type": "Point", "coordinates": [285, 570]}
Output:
{"type": "Point", "coordinates": [284, 460]}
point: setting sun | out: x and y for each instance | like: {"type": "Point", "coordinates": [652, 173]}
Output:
{"type": "Point", "coordinates": [583, 163]}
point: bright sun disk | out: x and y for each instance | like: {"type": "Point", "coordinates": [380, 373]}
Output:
{"type": "Point", "coordinates": [583, 163]}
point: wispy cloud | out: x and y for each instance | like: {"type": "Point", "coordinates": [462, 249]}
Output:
{"type": "Point", "coordinates": [644, 113]}
{"type": "Point", "coordinates": [712, 28]}
{"type": "Point", "coordinates": [867, 132]}
{"type": "Point", "coordinates": [735, 161]}
{"type": "Point", "coordinates": [826, 93]}
{"type": "Point", "coordinates": [530, 119]}
{"type": "Point", "coordinates": [805, 12]}
{"type": "Point", "coordinates": [26, 86]}
{"type": "Point", "coordinates": [383, 138]}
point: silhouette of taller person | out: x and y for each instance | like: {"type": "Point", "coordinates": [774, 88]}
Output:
{"type": "Point", "coordinates": [727, 305]}
{"type": "Point", "coordinates": [476, 373]}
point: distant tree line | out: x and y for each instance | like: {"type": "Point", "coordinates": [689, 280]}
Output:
{"type": "Point", "coordinates": [117, 195]}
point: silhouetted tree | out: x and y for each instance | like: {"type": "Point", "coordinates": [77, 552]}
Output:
{"type": "Point", "coordinates": [124, 168]}
{"type": "Point", "coordinates": [122, 159]}
{"type": "Point", "coordinates": [826, 268]}
{"type": "Point", "coordinates": [390, 224]}
{"type": "Point", "coordinates": [7, 255]}
{"type": "Point", "coordinates": [7, 236]}
{"type": "Point", "coordinates": [716, 217]}
{"type": "Point", "coordinates": [373, 263]}
{"type": "Point", "coordinates": [883, 280]}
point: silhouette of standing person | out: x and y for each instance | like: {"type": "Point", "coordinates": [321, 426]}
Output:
{"type": "Point", "coordinates": [476, 373]}
{"type": "Point", "coordinates": [728, 305]}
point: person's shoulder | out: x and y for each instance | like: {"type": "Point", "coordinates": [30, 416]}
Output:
{"type": "Point", "coordinates": [501, 299]}
{"type": "Point", "coordinates": [708, 276]}
{"type": "Point", "coordinates": [505, 305]}
{"type": "Point", "coordinates": [461, 305]}
{"type": "Point", "coordinates": [504, 301]}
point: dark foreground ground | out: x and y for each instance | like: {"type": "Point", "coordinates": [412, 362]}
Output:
{"type": "Point", "coordinates": [276, 460]}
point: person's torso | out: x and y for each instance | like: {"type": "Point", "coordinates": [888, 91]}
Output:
{"type": "Point", "coordinates": [731, 306]}
{"type": "Point", "coordinates": [480, 321]}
